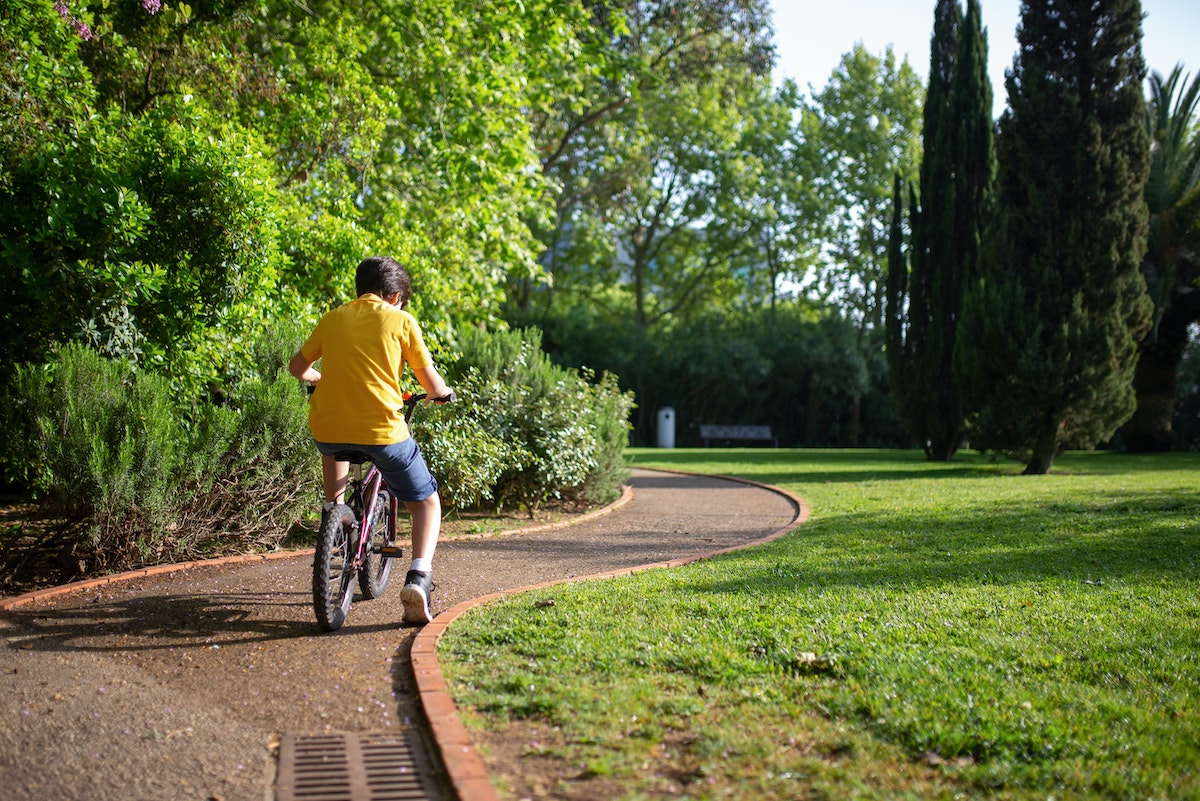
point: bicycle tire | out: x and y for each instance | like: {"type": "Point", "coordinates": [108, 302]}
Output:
{"type": "Point", "coordinates": [373, 576]}
{"type": "Point", "coordinates": [333, 567]}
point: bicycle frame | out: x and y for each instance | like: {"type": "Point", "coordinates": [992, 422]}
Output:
{"type": "Point", "coordinates": [365, 491]}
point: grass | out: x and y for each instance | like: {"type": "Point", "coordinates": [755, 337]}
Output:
{"type": "Point", "coordinates": [934, 631]}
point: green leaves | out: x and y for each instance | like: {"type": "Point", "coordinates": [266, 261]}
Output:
{"type": "Point", "coordinates": [862, 129]}
{"type": "Point", "coordinates": [148, 233]}
{"type": "Point", "coordinates": [1050, 330]}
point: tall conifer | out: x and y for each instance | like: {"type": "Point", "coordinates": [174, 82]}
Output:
{"type": "Point", "coordinates": [1051, 327]}
{"type": "Point", "coordinates": [955, 193]}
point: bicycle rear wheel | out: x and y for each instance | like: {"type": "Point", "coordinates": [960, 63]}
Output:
{"type": "Point", "coordinates": [333, 567]}
{"type": "Point", "coordinates": [377, 569]}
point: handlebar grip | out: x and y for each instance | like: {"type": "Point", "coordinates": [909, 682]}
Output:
{"type": "Point", "coordinates": [412, 400]}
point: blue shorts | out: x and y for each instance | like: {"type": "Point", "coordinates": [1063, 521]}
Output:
{"type": "Point", "coordinates": [401, 464]}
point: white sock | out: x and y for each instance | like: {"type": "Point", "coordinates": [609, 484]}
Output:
{"type": "Point", "coordinates": [421, 564]}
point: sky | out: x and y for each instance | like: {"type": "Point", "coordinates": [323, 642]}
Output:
{"type": "Point", "coordinates": [811, 36]}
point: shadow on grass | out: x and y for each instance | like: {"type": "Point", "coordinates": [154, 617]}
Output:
{"type": "Point", "coordinates": [1130, 538]}
{"type": "Point", "coordinates": [853, 465]}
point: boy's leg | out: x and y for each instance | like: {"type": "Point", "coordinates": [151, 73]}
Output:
{"type": "Point", "coordinates": [335, 475]}
{"type": "Point", "coordinates": [426, 524]}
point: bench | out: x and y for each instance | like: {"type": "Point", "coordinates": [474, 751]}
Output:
{"type": "Point", "coordinates": [737, 433]}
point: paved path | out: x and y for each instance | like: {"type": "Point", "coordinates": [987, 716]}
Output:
{"type": "Point", "coordinates": [181, 686]}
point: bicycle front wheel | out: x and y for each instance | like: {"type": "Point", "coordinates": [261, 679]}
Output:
{"type": "Point", "coordinates": [333, 567]}
{"type": "Point", "coordinates": [377, 569]}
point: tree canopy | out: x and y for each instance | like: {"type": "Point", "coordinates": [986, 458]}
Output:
{"type": "Point", "coordinates": [1051, 325]}
{"type": "Point", "coordinates": [1172, 263]}
{"type": "Point", "coordinates": [956, 181]}
{"type": "Point", "coordinates": [179, 179]}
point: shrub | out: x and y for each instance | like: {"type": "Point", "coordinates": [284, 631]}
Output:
{"type": "Point", "coordinates": [107, 452]}
{"type": "Point", "coordinates": [565, 434]}
{"type": "Point", "coordinates": [461, 444]}
{"type": "Point", "coordinates": [135, 474]}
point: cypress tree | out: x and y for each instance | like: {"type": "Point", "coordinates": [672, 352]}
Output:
{"type": "Point", "coordinates": [1051, 326]}
{"type": "Point", "coordinates": [896, 290]}
{"type": "Point", "coordinates": [956, 181]}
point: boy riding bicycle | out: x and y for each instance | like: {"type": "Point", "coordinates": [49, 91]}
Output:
{"type": "Point", "coordinates": [357, 405]}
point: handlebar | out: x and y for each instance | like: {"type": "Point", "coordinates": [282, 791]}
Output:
{"type": "Point", "coordinates": [411, 400]}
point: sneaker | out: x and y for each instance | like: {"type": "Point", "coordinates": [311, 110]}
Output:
{"type": "Point", "coordinates": [415, 597]}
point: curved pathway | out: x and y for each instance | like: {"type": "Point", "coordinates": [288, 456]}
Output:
{"type": "Point", "coordinates": [182, 684]}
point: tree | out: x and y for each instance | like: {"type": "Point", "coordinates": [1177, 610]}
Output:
{"type": "Point", "coordinates": [773, 215]}
{"type": "Point", "coordinates": [140, 234]}
{"type": "Point", "coordinates": [957, 173]}
{"type": "Point", "coordinates": [1172, 263]}
{"type": "Point", "coordinates": [198, 170]}
{"type": "Point", "coordinates": [1049, 336]}
{"type": "Point", "coordinates": [862, 129]}
{"type": "Point", "coordinates": [633, 153]}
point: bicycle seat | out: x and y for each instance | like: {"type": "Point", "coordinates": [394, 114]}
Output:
{"type": "Point", "coordinates": [351, 456]}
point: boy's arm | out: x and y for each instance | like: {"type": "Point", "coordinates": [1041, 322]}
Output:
{"type": "Point", "coordinates": [431, 381]}
{"type": "Point", "coordinates": [302, 368]}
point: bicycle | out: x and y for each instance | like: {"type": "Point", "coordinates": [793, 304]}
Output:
{"type": "Point", "coordinates": [357, 538]}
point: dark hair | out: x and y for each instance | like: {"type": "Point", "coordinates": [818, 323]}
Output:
{"type": "Point", "coordinates": [384, 276]}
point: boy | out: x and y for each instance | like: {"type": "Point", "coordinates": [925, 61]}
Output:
{"type": "Point", "coordinates": [357, 405]}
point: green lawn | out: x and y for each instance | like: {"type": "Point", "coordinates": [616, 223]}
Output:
{"type": "Point", "coordinates": [934, 631]}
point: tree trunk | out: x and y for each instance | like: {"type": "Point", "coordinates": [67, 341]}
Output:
{"type": "Point", "coordinates": [1151, 429]}
{"type": "Point", "coordinates": [943, 447]}
{"type": "Point", "coordinates": [1044, 451]}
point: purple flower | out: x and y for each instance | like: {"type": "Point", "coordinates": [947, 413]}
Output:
{"type": "Point", "coordinates": [151, 6]}
{"type": "Point", "coordinates": [79, 26]}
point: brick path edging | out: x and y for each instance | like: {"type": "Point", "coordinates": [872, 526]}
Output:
{"type": "Point", "coordinates": [7, 604]}
{"type": "Point", "coordinates": [464, 767]}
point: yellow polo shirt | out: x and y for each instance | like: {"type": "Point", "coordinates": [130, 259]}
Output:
{"type": "Point", "coordinates": [364, 346]}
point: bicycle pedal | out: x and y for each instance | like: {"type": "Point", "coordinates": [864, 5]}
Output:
{"type": "Point", "coordinates": [391, 552]}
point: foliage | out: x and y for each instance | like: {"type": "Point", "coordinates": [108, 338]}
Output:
{"type": "Point", "coordinates": [106, 450]}
{"type": "Point", "coordinates": [957, 175]}
{"type": "Point", "coordinates": [795, 367]}
{"type": "Point", "coordinates": [1050, 328]}
{"type": "Point", "coordinates": [1172, 263]}
{"type": "Point", "coordinates": [194, 170]}
{"type": "Point", "coordinates": [649, 200]}
{"type": "Point", "coordinates": [45, 83]}
{"type": "Point", "coordinates": [466, 446]}
{"type": "Point", "coordinates": [151, 236]}
{"type": "Point", "coordinates": [862, 128]}
{"type": "Point", "coordinates": [1187, 412]}
{"type": "Point", "coordinates": [135, 473]}
{"type": "Point", "coordinates": [547, 431]}
{"type": "Point", "coordinates": [934, 631]}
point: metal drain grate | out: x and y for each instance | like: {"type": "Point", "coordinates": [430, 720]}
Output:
{"type": "Point", "coordinates": [349, 767]}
